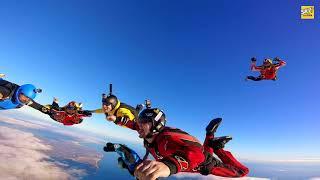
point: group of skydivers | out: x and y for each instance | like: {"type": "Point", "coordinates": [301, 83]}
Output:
{"type": "Point", "coordinates": [174, 150]}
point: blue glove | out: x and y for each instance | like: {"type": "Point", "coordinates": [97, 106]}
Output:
{"type": "Point", "coordinates": [128, 159]}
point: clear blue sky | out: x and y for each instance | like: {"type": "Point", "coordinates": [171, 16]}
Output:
{"type": "Point", "coordinates": [189, 57]}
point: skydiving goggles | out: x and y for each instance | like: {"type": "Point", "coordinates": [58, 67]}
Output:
{"type": "Point", "coordinates": [71, 108]}
{"type": "Point", "coordinates": [106, 102]}
{"type": "Point", "coordinates": [27, 99]}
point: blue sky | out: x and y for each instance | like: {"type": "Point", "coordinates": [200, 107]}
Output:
{"type": "Point", "coordinates": [189, 57]}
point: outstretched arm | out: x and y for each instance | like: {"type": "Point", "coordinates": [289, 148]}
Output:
{"type": "Point", "coordinates": [39, 107]}
{"type": "Point", "coordinates": [85, 113]}
{"type": "Point", "coordinates": [186, 156]}
{"type": "Point", "coordinates": [253, 65]}
{"type": "Point", "coordinates": [99, 111]}
{"type": "Point", "coordinates": [280, 63]}
{"type": "Point", "coordinates": [128, 159]}
{"type": "Point", "coordinates": [126, 122]}
{"type": "Point", "coordinates": [255, 68]}
{"type": "Point", "coordinates": [124, 118]}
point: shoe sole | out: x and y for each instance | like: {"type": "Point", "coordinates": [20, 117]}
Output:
{"type": "Point", "coordinates": [213, 125]}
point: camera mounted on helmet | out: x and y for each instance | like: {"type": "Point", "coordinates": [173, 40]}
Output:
{"type": "Point", "coordinates": [154, 115]}
{"type": "Point", "coordinates": [109, 99]}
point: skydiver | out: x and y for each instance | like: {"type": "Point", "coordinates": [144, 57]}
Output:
{"type": "Point", "coordinates": [13, 96]}
{"type": "Point", "coordinates": [176, 151]}
{"type": "Point", "coordinates": [69, 114]}
{"type": "Point", "coordinates": [268, 70]}
{"type": "Point", "coordinates": [117, 112]}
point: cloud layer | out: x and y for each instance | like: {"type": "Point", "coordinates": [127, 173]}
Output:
{"type": "Point", "coordinates": [211, 177]}
{"type": "Point", "coordinates": [22, 156]}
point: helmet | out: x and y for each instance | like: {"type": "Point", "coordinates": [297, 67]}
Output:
{"type": "Point", "coordinates": [72, 105]}
{"type": "Point", "coordinates": [27, 90]}
{"type": "Point", "coordinates": [79, 106]}
{"type": "Point", "coordinates": [267, 60]}
{"type": "Point", "coordinates": [154, 115]}
{"type": "Point", "coordinates": [110, 100]}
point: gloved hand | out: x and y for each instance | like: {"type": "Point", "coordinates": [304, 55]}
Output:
{"type": "Point", "coordinates": [109, 147]}
{"type": "Point", "coordinates": [129, 159]}
{"type": "Point", "coordinates": [123, 165]}
{"type": "Point", "coordinates": [276, 59]}
{"type": "Point", "coordinates": [87, 113]}
{"type": "Point", "coordinates": [253, 59]}
{"type": "Point", "coordinates": [139, 107]}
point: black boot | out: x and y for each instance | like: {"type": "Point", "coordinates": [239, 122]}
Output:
{"type": "Point", "coordinates": [213, 126]}
{"type": "Point", "coordinates": [219, 142]}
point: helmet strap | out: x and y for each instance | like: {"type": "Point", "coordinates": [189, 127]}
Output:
{"type": "Point", "coordinates": [158, 116]}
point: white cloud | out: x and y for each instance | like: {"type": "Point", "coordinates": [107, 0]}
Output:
{"type": "Point", "coordinates": [304, 160]}
{"type": "Point", "coordinates": [111, 130]}
{"type": "Point", "coordinates": [211, 177]}
{"type": "Point", "coordinates": [10, 117]}
{"type": "Point", "coordinates": [22, 156]}
{"type": "Point", "coordinates": [315, 178]}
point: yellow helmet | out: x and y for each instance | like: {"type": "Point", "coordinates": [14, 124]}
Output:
{"type": "Point", "coordinates": [267, 60]}
{"type": "Point", "coordinates": [78, 106]}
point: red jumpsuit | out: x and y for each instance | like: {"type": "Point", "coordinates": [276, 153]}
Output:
{"type": "Point", "coordinates": [67, 119]}
{"type": "Point", "coordinates": [269, 73]}
{"type": "Point", "coordinates": [182, 152]}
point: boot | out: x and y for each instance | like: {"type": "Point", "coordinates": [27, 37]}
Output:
{"type": "Point", "coordinates": [213, 126]}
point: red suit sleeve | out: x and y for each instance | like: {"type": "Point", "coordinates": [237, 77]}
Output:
{"type": "Point", "coordinates": [254, 67]}
{"type": "Point", "coordinates": [187, 155]}
{"type": "Point", "coordinates": [280, 64]}
{"type": "Point", "coordinates": [132, 125]}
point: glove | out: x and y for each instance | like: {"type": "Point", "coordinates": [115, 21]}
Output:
{"type": "Point", "coordinates": [139, 107]}
{"type": "Point", "coordinates": [109, 147]}
{"type": "Point", "coordinates": [129, 159]}
{"type": "Point", "coordinates": [87, 113]}
{"type": "Point", "coordinates": [253, 59]}
{"type": "Point", "coordinates": [276, 59]}
{"type": "Point", "coordinates": [123, 165]}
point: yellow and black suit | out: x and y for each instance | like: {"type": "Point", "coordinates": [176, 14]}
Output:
{"type": "Point", "coordinates": [125, 114]}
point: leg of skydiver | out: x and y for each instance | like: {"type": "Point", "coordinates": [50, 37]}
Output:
{"type": "Point", "coordinates": [230, 167]}
{"type": "Point", "coordinates": [4, 89]}
{"type": "Point", "coordinates": [4, 92]}
{"type": "Point", "coordinates": [254, 78]}
{"type": "Point", "coordinates": [210, 130]}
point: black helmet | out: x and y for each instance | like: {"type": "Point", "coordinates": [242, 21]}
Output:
{"type": "Point", "coordinates": [110, 100]}
{"type": "Point", "coordinates": [154, 115]}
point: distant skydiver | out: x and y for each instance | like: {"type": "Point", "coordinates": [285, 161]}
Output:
{"type": "Point", "coordinates": [119, 113]}
{"type": "Point", "coordinates": [68, 115]}
{"type": "Point", "coordinates": [13, 96]}
{"type": "Point", "coordinates": [176, 151]}
{"type": "Point", "coordinates": [268, 70]}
